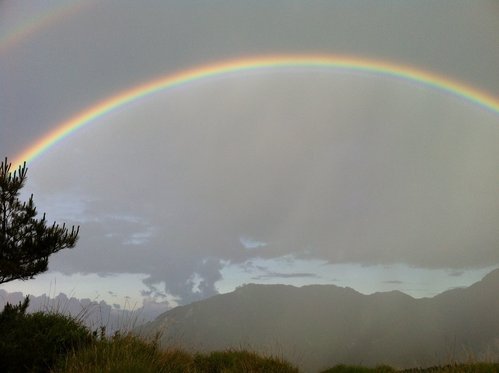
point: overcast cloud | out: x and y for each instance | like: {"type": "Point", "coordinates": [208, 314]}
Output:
{"type": "Point", "coordinates": [317, 166]}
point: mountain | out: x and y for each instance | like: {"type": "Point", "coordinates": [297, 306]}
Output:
{"type": "Point", "coordinates": [92, 313]}
{"type": "Point", "coordinates": [319, 326]}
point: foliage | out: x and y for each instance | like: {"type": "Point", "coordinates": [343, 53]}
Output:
{"type": "Point", "coordinates": [131, 354]}
{"type": "Point", "coordinates": [341, 368]}
{"type": "Point", "coordinates": [241, 361]}
{"type": "Point", "coordinates": [476, 367]}
{"type": "Point", "coordinates": [51, 342]}
{"type": "Point", "coordinates": [125, 354]}
{"type": "Point", "coordinates": [25, 242]}
{"type": "Point", "coordinates": [34, 342]}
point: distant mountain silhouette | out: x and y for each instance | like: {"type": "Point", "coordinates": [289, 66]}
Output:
{"type": "Point", "coordinates": [320, 326]}
{"type": "Point", "coordinates": [93, 314]}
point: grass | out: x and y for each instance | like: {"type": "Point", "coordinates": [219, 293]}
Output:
{"type": "Point", "coordinates": [57, 343]}
{"type": "Point", "coordinates": [240, 361]}
{"type": "Point", "coordinates": [130, 353]}
{"type": "Point", "coordinates": [341, 368]}
{"type": "Point", "coordinates": [124, 354]}
{"type": "Point", "coordinates": [475, 367]}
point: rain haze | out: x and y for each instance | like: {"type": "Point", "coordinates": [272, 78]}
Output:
{"type": "Point", "coordinates": [292, 175]}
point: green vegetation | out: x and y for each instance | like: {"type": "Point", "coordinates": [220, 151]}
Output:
{"type": "Point", "coordinates": [26, 242]}
{"type": "Point", "coordinates": [51, 342]}
{"type": "Point", "coordinates": [34, 342]}
{"type": "Point", "coordinates": [131, 354]}
{"type": "Point", "coordinates": [451, 368]}
{"type": "Point", "coordinates": [359, 369]}
{"type": "Point", "coordinates": [124, 354]}
{"type": "Point", "coordinates": [459, 368]}
{"type": "Point", "coordinates": [240, 361]}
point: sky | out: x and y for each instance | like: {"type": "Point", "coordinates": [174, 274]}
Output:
{"type": "Point", "coordinates": [295, 174]}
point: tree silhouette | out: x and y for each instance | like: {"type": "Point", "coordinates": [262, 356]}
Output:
{"type": "Point", "coordinates": [26, 242]}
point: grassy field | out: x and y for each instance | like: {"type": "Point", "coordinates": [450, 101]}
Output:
{"type": "Point", "coordinates": [451, 368]}
{"type": "Point", "coordinates": [131, 354]}
{"type": "Point", "coordinates": [51, 342]}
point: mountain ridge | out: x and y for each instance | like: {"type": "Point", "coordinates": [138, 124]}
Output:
{"type": "Point", "coordinates": [317, 326]}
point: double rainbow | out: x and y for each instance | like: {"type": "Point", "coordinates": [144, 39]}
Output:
{"type": "Point", "coordinates": [341, 63]}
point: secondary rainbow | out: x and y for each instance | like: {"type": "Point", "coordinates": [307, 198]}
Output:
{"type": "Point", "coordinates": [38, 22]}
{"type": "Point", "coordinates": [345, 63]}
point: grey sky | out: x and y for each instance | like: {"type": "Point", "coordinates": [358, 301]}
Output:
{"type": "Point", "coordinates": [325, 167]}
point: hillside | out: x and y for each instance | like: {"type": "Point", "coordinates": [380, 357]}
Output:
{"type": "Point", "coordinates": [319, 326]}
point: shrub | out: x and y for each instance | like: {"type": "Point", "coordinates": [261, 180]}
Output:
{"type": "Point", "coordinates": [34, 342]}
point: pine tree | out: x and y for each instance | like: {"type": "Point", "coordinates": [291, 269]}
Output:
{"type": "Point", "coordinates": [26, 242]}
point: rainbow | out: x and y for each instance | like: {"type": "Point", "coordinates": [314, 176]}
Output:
{"type": "Point", "coordinates": [342, 63]}
{"type": "Point", "coordinates": [40, 21]}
